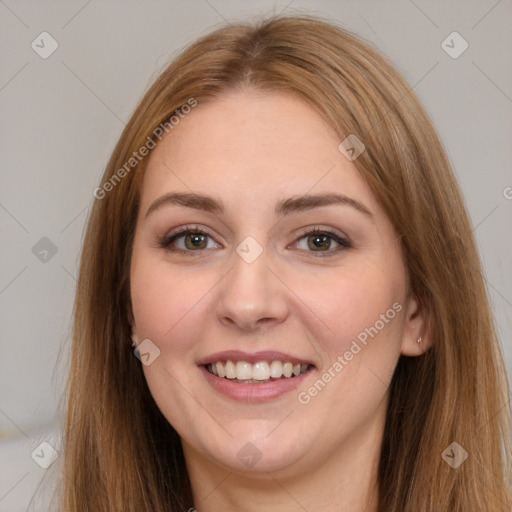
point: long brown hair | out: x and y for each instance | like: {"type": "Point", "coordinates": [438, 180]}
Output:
{"type": "Point", "coordinates": [121, 454]}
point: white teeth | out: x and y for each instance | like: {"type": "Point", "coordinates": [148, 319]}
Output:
{"type": "Point", "coordinates": [243, 370]}
{"type": "Point", "coordinates": [220, 369]}
{"type": "Point", "coordinates": [230, 370]}
{"type": "Point", "coordinates": [276, 369]}
{"type": "Point", "coordinates": [260, 371]}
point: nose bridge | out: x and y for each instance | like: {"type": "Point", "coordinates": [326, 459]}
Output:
{"type": "Point", "coordinates": [251, 294]}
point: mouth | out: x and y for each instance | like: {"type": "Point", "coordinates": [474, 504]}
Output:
{"type": "Point", "coordinates": [260, 372]}
{"type": "Point", "coordinates": [256, 377]}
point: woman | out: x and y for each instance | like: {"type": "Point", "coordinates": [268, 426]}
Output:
{"type": "Point", "coordinates": [280, 237]}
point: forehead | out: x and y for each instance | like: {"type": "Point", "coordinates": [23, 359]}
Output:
{"type": "Point", "coordinates": [252, 146]}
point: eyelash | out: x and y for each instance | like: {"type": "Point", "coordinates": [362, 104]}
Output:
{"type": "Point", "coordinates": [166, 241]}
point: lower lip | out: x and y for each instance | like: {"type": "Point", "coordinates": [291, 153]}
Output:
{"type": "Point", "coordinates": [253, 393]}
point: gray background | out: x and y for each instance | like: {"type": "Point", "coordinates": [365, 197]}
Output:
{"type": "Point", "coordinates": [61, 116]}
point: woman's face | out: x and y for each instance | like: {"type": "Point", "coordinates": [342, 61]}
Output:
{"type": "Point", "coordinates": [288, 259]}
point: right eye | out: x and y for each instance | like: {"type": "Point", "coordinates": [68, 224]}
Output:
{"type": "Point", "coordinates": [187, 241]}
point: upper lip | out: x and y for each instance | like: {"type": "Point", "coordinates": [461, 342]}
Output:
{"type": "Point", "coordinates": [266, 355]}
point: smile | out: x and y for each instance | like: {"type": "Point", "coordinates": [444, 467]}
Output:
{"type": "Point", "coordinates": [255, 377]}
{"type": "Point", "coordinates": [260, 372]}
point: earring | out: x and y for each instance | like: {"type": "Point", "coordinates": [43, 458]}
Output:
{"type": "Point", "coordinates": [419, 340]}
{"type": "Point", "coordinates": [135, 340]}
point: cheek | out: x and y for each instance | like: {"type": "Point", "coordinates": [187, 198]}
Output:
{"type": "Point", "coordinates": [166, 302]}
{"type": "Point", "coordinates": [362, 306]}
{"type": "Point", "coordinates": [351, 301]}
{"type": "Point", "coordinates": [169, 309]}
{"type": "Point", "coordinates": [364, 312]}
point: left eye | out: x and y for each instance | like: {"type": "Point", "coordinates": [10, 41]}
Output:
{"type": "Point", "coordinates": [321, 241]}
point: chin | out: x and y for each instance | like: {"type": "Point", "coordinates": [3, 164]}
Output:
{"type": "Point", "coordinates": [258, 452]}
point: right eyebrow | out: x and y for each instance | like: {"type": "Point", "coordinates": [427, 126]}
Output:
{"type": "Point", "coordinates": [189, 200]}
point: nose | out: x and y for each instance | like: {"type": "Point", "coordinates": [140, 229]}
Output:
{"type": "Point", "coordinates": [252, 295]}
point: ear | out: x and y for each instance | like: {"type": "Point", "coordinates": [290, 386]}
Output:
{"type": "Point", "coordinates": [135, 337]}
{"type": "Point", "coordinates": [417, 338]}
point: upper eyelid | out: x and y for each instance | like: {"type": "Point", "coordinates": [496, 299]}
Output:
{"type": "Point", "coordinates": [184, 230]}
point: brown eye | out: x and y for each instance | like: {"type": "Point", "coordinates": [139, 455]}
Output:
{"type": "Point", "coordinates": [319, 241]}
{"type": "Point", "coordinates": [195, 241]}
{"type": "Point", "coordinates": [188, 241]}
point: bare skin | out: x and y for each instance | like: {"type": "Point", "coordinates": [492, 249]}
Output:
{"type": "Point", "coordinates": [305, 296]}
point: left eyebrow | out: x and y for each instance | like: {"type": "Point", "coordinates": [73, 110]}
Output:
{"type": "Point", "coordinates": [283, 207]}
{"type": "Point", "coordinates": [308, 202]}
